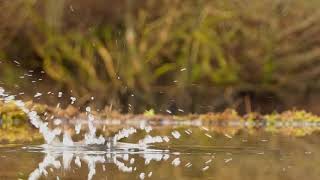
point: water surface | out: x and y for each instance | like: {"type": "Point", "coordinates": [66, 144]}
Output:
{"type": "Point", "coordinates": [191, 153]}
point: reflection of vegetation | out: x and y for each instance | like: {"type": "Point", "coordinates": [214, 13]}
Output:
{"type": "Point", "coordinates": [11, 116]}
{"type": "Point", "coordinates": [226, 47]}
{"type": "Point", "coordinates": [149, 112]}
{"type": "Point", "coordinates": [19, 134]}
{"type": "Point", "coordinates": [15, 127]}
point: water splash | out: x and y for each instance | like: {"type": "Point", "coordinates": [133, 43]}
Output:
{"type": "Point", "coordinates": [91, 137]}
{"type": "Point", "coordinates": [69, 149]}
{"type": "Point", "coordinates": [96, 149]}
{"type": "Point", "coordinates": [48, 134]}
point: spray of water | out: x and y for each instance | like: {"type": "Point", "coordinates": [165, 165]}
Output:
{"type": "Point", "coordinates": [112, 151]}
{"type": "Point", "coordinates": [48, 135]}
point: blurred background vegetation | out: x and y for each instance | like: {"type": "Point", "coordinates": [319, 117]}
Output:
{"type": "Point", "coordinates": [169, 55]}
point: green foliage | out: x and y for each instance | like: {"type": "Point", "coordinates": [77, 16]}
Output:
{"type": "Point", "coordinates": [11, 116]}
{"type": "Point", "coordinates": [149, 112]}
{"type": "Point", "coordinates": [256, 46]}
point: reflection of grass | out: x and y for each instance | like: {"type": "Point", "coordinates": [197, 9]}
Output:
{"type": "Point", "coordinates": [11, 116]}
{"type": "Point", "coordinates": [19, 134]}
{"type": "Point", "coordinates": [230, 46]}
{"type": "Point", "coordinates": [15, 126]}
{"type": "Point", "coordinates": [298, 123]}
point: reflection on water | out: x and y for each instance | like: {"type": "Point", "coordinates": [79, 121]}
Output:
{"type": "Point", "coordinates": [119, 156]}
{"type": "Point", "coordinates": [91, 148]}
{"type": "Point", "coordinates": [192, 156]}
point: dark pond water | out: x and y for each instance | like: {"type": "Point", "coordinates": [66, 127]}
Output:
{"type": "Point", "coordinates": [191, 153]}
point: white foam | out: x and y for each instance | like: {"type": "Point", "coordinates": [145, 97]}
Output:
{"type": "Point", "coordinates": [67, 158]}
{"type": "Point", "coordinates": [37, 94]}
{"type": "Point", "coordinates": [77, 161]}
{"type": "Point", "coordinates": [176, 134]}
{"type": "Point", "coordinates": [67, 141]}
{"type": "Point", "coordinates": [176, 162]}
{"type": "Point", "coordinates": [142, 175]}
